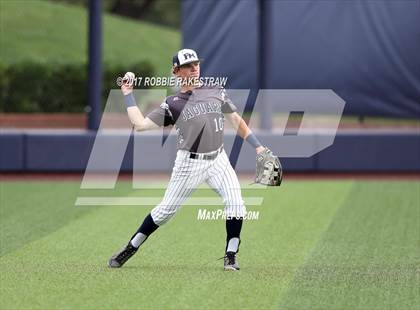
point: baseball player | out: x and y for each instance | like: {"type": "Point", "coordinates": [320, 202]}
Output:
{"type": "Point", "coordinates": [197, 112]}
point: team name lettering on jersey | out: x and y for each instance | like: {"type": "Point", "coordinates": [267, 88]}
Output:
{"type": "Point", "coordinates": [200, 109]}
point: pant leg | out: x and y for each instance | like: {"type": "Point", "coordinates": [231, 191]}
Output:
{"type": "Point", "coordinates": [223, 179]}
{"type": "Point", "coordinates": [186, 176]}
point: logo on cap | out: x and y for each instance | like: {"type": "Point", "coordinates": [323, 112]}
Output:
{"type": "Point", "coordinates": [184, 56]}
{"type": "Point", "coordinates": [189, 55]}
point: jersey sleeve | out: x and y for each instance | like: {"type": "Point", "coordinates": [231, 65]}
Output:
{"type": "Point", "coordinates": [162, 116]}
{"type": "Point", "coordinates": [227, 104]}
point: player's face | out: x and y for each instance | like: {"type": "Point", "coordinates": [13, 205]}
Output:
{"type": "Point", "coordinates": [191, 70]}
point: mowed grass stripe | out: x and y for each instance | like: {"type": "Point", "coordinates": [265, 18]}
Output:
{"type": "Point", "coordinates": [178, 266]}
{"type": "Point", "coordinates": [369, 257]}
{"type": "Point", "coordinates": [31, 210]}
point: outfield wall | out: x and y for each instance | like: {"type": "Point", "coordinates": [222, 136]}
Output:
{"type": "Point", "coordinates": [365, 51]}
{"type": "Point", "coordinates": [69, 151]}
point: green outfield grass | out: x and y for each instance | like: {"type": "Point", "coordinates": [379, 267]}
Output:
{"type": "Point", "coordinates": [317, 245]}
{"type": "Point", "coordinates": [42, 31]}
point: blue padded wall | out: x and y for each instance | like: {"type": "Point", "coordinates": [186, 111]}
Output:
{"type": "Point", "coordinates": [12, 152]}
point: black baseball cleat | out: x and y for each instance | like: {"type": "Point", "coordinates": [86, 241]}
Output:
{"type": "Point", "coordinates": [119, 258]}
{"type": "Point", "coordinates": [230, 262]}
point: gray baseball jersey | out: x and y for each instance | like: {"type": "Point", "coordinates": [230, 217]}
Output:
{"type": "Point", "coordinates": [197, 116]}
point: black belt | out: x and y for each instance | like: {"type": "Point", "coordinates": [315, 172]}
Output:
{"type": "Point", "coordinates": [206, 156]}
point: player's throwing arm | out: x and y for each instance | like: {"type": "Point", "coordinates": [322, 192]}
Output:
{"type": "Point", "coordinates": [139, 122]}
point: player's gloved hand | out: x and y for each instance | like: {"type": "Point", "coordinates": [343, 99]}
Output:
{"type": "Point", "coordinates": [128, 83]}
{"type": "Point", "coordinates": [268, 170]}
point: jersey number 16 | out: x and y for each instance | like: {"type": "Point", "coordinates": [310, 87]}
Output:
{"type": "Point", "coordinates": [219, 123]}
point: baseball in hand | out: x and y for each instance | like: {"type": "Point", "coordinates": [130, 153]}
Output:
{"type": "Point", "coordinates": [128, 81]}
{"type": "Point", "coordinates": [129, 77]}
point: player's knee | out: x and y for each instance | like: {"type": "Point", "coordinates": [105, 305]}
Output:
{"type": "Point", "coordinates": [162, 213]}
{"type": "Point", "coordinates": [163, 218]}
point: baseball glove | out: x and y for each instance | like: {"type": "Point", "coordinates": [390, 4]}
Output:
{"type": "Point", "coordinates": [269, 170]}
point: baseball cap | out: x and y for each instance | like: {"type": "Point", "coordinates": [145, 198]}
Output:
{"type": "Point", "coordinates": [184, 56]}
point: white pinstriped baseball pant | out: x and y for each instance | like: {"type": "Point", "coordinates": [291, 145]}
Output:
{"type": "Point", "coordinates": [188, 174]}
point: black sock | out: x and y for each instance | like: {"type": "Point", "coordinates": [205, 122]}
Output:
{"type": "Point", "coordinates": [148, 226]}
{"type": "Point", "coordinates": [233, 230]}
{"type": "Point", "coordinates": [145, 230]}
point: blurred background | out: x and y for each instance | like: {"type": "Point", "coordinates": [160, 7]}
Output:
{"type": "Point", "coordinates": [367, 52]}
